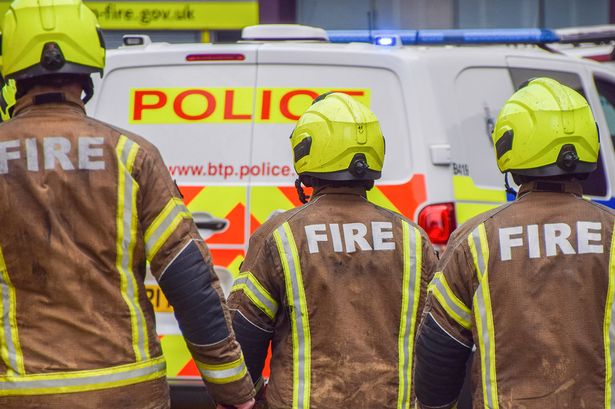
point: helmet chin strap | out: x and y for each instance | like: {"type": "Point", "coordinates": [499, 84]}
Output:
{"type": "Point", "coordinates": [88, 90]}
{"type": "Point", "coordinates": [509, 188]}
{"type": "Point", "coordinates": [302, 196]}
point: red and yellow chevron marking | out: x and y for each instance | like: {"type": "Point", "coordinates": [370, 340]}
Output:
{"type": "Point", "coordinates": [226, 202]}
{"type": "Point", "coordinates": [404, 198]}
{"type": "Point", "coordinates": [229, 202]}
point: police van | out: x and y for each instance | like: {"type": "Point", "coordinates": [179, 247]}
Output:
{"type": "Point", "coordinates": [221, 115]}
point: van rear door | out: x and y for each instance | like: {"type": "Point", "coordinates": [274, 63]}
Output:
{"type": "Point", "coordinates": [289, 78]}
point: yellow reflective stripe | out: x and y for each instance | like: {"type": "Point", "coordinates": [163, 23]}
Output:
{"type": "Point", "coordinates": [127, 225]}
{"type": "Point", "coordinates": [223, 373]}
{"type": "Point", "coordinates": [79, 381]}
{"type": "Point", "coordinates": [608, 331]}
{"type": "Point", "coordinates": [411, 292]}
{"type": "Point", "coordinates": [295, 291]}
{"type": "Point", "coordinates": [164, 225]}
{"type": "Point", "coordinates": [255, 291]}
{"type": "Point", "coordinates": [453, 306]}
{"type": "Point", "coordinates": [479, 247]}
{"type": "Point", "coordinates": [10, 348]}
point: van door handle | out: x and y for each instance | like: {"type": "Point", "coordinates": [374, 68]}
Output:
{"type": "Point", "coordinates": [206, 221]}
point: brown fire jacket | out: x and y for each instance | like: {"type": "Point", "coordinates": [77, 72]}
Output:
{"type": "Point", "coordinates": [532, 285]}
{"type": "Point", "coordinates": [337, 285]}
{"type": "Point", "coordinates": [83, 207]}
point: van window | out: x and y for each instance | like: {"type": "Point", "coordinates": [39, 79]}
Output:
{"type": "Point", "coordinates": [521, 75]}
{"type": "Point", "coordinates": [596, 183]}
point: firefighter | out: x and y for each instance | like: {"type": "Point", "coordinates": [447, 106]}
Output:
{"type": "Point", "coordinates": [84, 207]}
{"type": "Point", "coordinates": [529, 284]}
{"type": "Point", "coordinates": [337, 285]}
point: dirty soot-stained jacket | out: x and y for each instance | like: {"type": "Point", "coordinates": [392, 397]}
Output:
{"type": "Point", "coordinates": [83, 206]}
{"type": "Point", "coordinates": [337, 285]}
{"type": "Point", "coordinates": [531, 284]}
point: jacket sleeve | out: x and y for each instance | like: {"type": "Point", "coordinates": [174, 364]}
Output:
{"type": "Point", "coordinates": [180, 261]}
{"type": "Point", "coordinates": [254, 302]}
{"type": "Point", "coordinates": [444, 340]}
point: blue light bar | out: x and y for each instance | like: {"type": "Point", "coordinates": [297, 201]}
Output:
{"type": "Point", "coordinates": [488, 36]}
{"type": "Point", "coordinates": [444, 37]}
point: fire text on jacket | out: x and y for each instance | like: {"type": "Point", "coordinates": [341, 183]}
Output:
{"type": "Point", "coordinates": [554, 240]}
{"type": "Point", "coordinates": [52, 151]}
{"type": "Point", "coordinates": [350, 236]}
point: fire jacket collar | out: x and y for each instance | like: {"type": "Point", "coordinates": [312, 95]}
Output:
{"type": "Point", "coordinates": [343, 190]}
{"type": "Point", "coordinates": [48, 96]}
{"type": "Point", "coordinates": [574, 187]}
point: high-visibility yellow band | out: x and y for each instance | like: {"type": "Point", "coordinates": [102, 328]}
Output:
{"type": "Point", "coordinates": [607, 330]}
{"type": "Point", "coordinates": [453, 306]}
{"type": "Point", "coordinates": [79, 381]}
{"type": "Point", "coordinates": [483, 314]}
{"type": "Point", "coordinates": [289, 256]}
{"type": "Point", "coordinates": [127, 225]}
{"type": "Point", "coordinates": [10, 347]}
{"type": "Point", "coordinates": [164, 225]}
{"type": "Point", "coordinates": [223, 373]}
{"type": "Point", "coordinates": [411, 291]}
{"type": "Point", "coordinates": [255, 291]}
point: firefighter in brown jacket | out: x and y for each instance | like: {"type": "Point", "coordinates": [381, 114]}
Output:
{"type": "Point", "coordinates": [338, 284]}
{"type": "Point", "coordinates": [84, 207]}
{"type": "Point", "coordinates": [531, 283]}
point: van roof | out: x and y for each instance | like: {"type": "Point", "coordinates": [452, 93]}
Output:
{"type": "Point", "coordinates": [151, 54]}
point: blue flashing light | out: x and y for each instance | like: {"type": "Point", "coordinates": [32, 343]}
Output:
{"type": "Point", "coordinates": [386, 41]}
{"type": "Point", "coordinates": [444, 37]}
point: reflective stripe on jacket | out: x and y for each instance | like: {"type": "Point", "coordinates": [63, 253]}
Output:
{"type": "Point", "coordinates": [531, 284]}
{"type": "Point", "coordinates": [339, 283]}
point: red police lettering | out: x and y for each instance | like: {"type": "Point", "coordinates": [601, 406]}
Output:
{"type": "Point", "coordinates": [285, 102]}
{"type": "Point", "coordinates": [179, 100]}
{"type": "Point", "coordinates": [229, 97]}
{"type": "Point", "coordinates": [140, 106]}
{"type": "Point", "coordinates": [266, 104]}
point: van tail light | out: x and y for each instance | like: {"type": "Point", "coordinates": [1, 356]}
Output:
{"type": "Point", "coordinates": [438, 220]}
{"type": "Point", "coordinates": [215, 57]}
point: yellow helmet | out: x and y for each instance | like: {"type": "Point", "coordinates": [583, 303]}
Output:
{"type": "Point", "coordinates": [338, 138]}
{"type": "Point", "coordinates": [42, 37]}
{"type": "Point", "coordinates": [7, 100]}
{"type": "Point", "coordinates": [546, 129]}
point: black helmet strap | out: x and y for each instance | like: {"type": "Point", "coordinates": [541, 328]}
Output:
{"type": "Point", "coordinates": [302, 196]}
